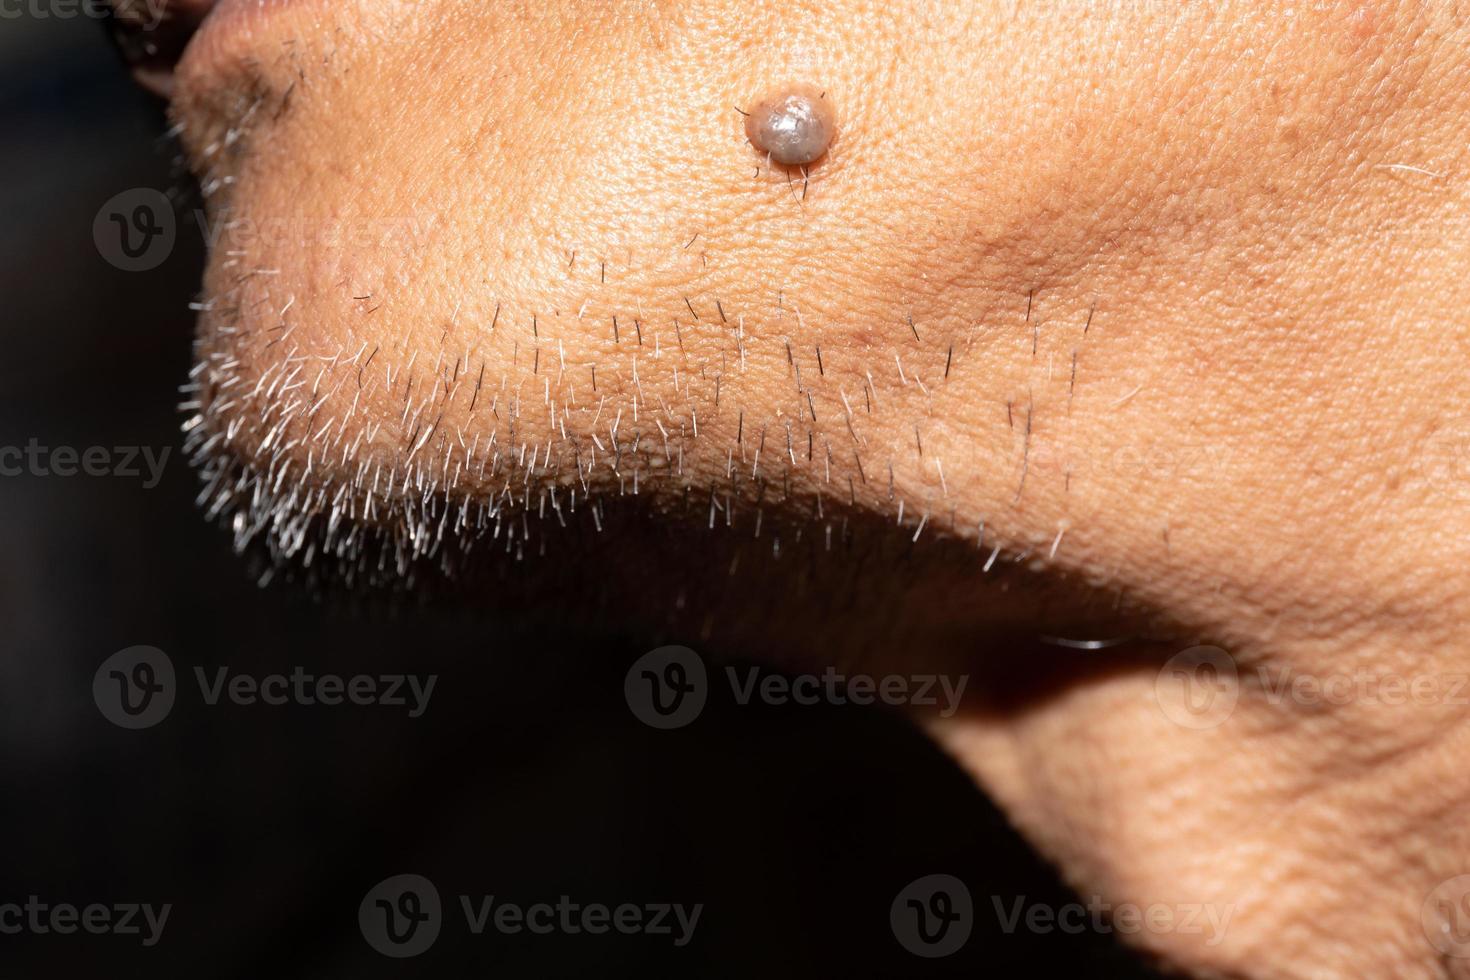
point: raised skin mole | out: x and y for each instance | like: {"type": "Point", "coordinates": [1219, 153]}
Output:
{"type": "Point", "coordinates": [794, 125]}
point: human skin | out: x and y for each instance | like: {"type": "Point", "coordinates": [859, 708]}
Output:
{"type": "Point", "coordinates": [1166, 300]}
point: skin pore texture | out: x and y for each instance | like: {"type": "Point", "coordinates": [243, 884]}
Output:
{"type": "Point", "coordinates": [1128, 320]}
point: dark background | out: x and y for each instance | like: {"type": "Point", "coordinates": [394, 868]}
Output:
{"type": "Point", "coordinates": [527, 778]}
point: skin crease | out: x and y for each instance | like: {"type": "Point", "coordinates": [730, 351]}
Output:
{"type": "Point", "coordinates": [1170, 296]}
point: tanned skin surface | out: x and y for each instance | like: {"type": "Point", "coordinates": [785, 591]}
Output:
{"type": "Point", "coordinates": [1108, 318]}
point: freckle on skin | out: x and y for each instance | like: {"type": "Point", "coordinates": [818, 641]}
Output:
{"type": "Point", "coordinates": [793, 124]}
